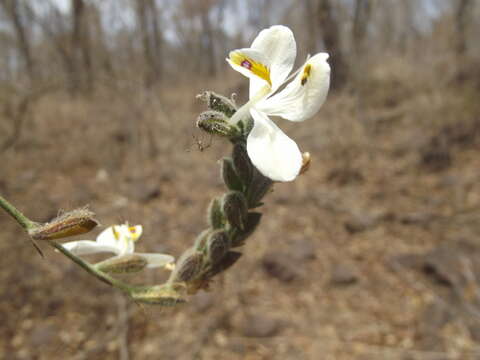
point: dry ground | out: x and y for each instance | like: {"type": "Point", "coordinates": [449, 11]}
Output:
{"type": "Point", "coordinates": [373, 254]}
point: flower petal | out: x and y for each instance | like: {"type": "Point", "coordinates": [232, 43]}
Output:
{"type": "Point", "coordinates": [110, 236]}
{"type": "Point", "coordinates": [128, 236]}
{"type": "Point", "coordinates": [85, 247]}
{"type": "Point", "coordinates": [133, 232]}
{"type": "Point", "coordinates": [254, 65]}
{"type": "Point", "coordinates": [305, 94]}
{"type": "Point", "coordinates": [272, 152]}
{"type": "Point", "coordinates": [156, 260]}
{"type": "Point", "coordinates": [121, 237]}
{"type": "Point", "coordinates": [277, 44]}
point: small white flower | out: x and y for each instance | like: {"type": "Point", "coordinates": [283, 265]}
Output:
{"type": "Point", "coordinates": [119, 240]}
{"type": "Point", "coordinates": [267, 64]}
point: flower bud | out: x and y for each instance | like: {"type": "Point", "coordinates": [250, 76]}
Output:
{"type": "Point", "coordinates": [75, 222]}
{"type": "Point", "coordinates": [164, 295]}
{"type": "Point", "coordinates": [188, 267]}
{"type": "Point", "coordinates": [234, 206]}
{"type": "Point", "coordinates": [218, 244]}
{"type": "Point", "coordinates": [239, 237]}
{"type": "Point", "coordinates": [259, 187]}
{"type": "Point", "coordinates": [218, 103]}
{"type": "Point", "coordinates": [123, 264]}
{"type": "Point", "coordinates": [246, 125]}
{"type": "Point", "coordinates": [216, 123]}
{"type": "Point", "coordinates": [306, 160]}
{"type": "Point", "coordinates": [215, 215]}
{"type": "Point", "coordinates": [226, 262]}
{"type": "Point", "coordinates": [242, 164]}
{"type": "Point", "coordinates": [201, 240]}
{"type": "Point", "coordinates": [229, 176]}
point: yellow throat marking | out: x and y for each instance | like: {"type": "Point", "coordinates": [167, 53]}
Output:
{"type": "Point", "coordinates": [115, 233]}
{"type": "Point", "coordinates": [134, 233]}
{"type": "Point", "coordinates": [255, 67]}
{"type": "Point", "coordinates": [306, 74]}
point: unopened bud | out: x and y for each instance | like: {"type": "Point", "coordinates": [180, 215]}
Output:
{"type": "Point", "coordinates": [164, 295]}
{"type": "Point", "coordinates": [242, 164]}
{"type": "Point", "coordinates": [259, 187]}
{"type": "Point", "coordinates": [239, 236]}
{"type": "Point", "coordinates": [188, 267]}
{"type": "Point", "coordinates": [226, 262]}
{"type": "Point", "coordinates": [201, 240]}
{"type": "Point", "coordinates": [234, 206]}
{"type": "Point", "coordinates": [218, 103]}
{"type": "Point", "coordinates": [306, 160]}
{"type": "Point", "coordinates": [215, 215]}
{"type": "Point", "coordinates": [71, 223]}
{"type": "Point", "coordinates": [229, 176]}
{"type": "Point", "coordinates": [246, 125]}
{"type": "Point", "coordinates": [215, 122]}
{"type": "Point", "coordinates": [218, 244]}
{"type": "Point", "coordinates": [123, 264]}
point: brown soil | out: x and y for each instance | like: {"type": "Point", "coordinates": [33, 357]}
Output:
{"type": "Point", "coordinates": [348, 263]}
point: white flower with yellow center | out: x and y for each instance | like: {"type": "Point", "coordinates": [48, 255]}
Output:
{"type": "Point", "coordinates": [119, 240]}
{"type": "Point", "coordinates": [267, 63]}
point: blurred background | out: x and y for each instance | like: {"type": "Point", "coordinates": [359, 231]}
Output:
{"type": "Point", "coordinates": [373, 254]}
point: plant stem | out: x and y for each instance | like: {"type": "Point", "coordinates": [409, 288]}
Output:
{"type": "Point", "coordinates": [24, 222]}
{"type": "Point", "coordinates": [27, 225]}
{"type": "Point", "coordinates": [91, 269]}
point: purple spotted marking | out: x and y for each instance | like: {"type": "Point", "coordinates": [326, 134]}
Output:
{"type": "Point", "coordinates": [246, 64]}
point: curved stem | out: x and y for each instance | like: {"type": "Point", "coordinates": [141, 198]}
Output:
{"type": "Point", "coordinates": [27, 225]}
{"type": "Point", "coordinates": [24, 222]}
{"type": "Point", "coordinates": [91, 269]}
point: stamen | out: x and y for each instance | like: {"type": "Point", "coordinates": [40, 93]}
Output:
{"type": "Point", "coordinates": [255, 67]}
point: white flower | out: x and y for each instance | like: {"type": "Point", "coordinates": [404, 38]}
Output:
{"type": "Point", "coordinates": [119, 240]}
{"type": "Point", "coordinates": [267, 64]}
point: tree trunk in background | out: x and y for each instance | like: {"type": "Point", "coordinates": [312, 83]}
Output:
{"type": "Point", "coordinates": [149, 29]}
{"type": "Point", "coordinates": [76, 33]}
{"type": "Point", "coordinates": [208, 42]}
{"type": "Point", "coordinates": [311, 26]}
{"type": "Point", "coordinates": [461, 22]}
{"type": "Point", "coordinates": [100, 49]}
{"type": "Point", "coordinates": [156, 38]}
{"type": "Point", "coordinates": [361, 19]}
{"type": "Point", "coordinates": [220, 39]}
{"type": "Point", "coordinates": [142, 25]}
{"type": "Point", "coordinates": [60, 37]}
{"type": "Point", "coordinates": [331, 37]}
{"type": "Point", "coordinates": [13, 13]}
{"type": "Point", "coordinates": [81, 56]}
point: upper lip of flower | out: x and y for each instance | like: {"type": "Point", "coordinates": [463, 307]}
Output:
{"type": "Point", "coordinates": [119, 240]}
{"type": "Point", "coordinates": [267, 63]}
